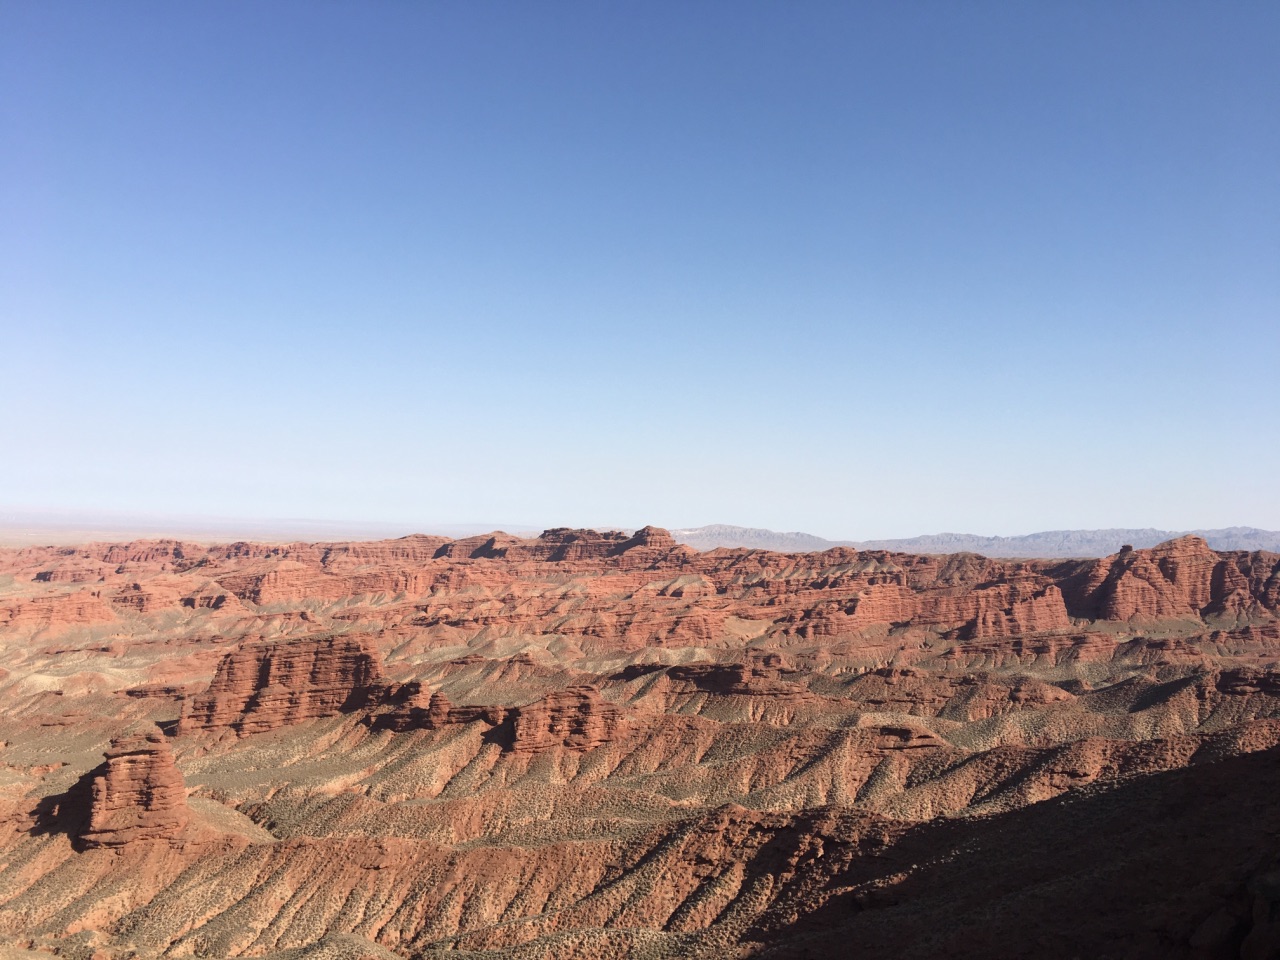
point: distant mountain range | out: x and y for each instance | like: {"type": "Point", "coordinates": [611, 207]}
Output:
{"type": "Point", "coordinates": [1048, 543]}
{"type": "Point", "coordinates": [24, 528]}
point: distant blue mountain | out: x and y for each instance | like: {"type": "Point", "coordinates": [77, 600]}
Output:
{"type": "Point", "coordinates": [1048, 543]}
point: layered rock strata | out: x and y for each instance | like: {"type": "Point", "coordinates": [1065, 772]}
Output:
{"type": "Point", "coordinates": [136, 795]}
{"type": "Point", "coordinates": [576, 718]}
{"type": "Point", "coordinates": [812, 596]}
{"type": "Point", "coordinates": [264, 686]}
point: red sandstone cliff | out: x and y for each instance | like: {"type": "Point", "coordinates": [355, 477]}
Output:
{"type": "Point", "coordinates": [838, 593]}
{"type": "Point", "coordinates": [263, 686]}
{"type": "Point", "coordinates": [136, 795]}
{"type": "Point", "coordinates": [1180, 579]}
{"type": "Point", "coordinates": [576, 718]}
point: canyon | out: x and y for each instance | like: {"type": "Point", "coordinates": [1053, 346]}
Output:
{"type": "Point", "coordinates": [601, 744]}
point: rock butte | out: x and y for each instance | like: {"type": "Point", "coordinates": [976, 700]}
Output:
{"type": "Point", "coordinates": [264, 686]}
{"type": "Point", "coordinates": [136, 795]}
{"type": "Point", "coordinates": [603, 745]}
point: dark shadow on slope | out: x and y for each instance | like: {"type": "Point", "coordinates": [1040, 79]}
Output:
{"type": "Point", "coordinates": [1178, 864]}
{"type": "Point", "coordinates": [1163, 692]}
{"type": "Point", "coordinates": [168, 727]}
{"type": "Point", "coordinates": [67, 812]}
{"type": "Point", "coordinates": [503, 734]}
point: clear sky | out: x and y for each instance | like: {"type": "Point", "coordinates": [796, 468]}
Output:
{"type": "Point", "coordinates": [864, 270]}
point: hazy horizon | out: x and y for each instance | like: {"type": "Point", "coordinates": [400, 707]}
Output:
{"type": "Point", "coordinates": [27, 527]}
{"type": "Point", "coordinates": [863, 271]}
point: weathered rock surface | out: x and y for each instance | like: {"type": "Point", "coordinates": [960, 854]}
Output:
{"type": "Point", "coordinates": [435, 714]}
{"type": "Point", "coordinates": [575, 718]}
{"type": "Point", "coordinates": [1181, 579]}
{"type": "Point", "coordinates": [136, 795]}
{"type": "Point", "coordinates": [269, 685]}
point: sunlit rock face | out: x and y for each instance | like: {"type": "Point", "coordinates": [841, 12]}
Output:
{"type": "Point", "coordinates": [137, 795]}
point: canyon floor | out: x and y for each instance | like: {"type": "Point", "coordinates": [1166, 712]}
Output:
{"type": "Point", "coordinates": [599, 745]}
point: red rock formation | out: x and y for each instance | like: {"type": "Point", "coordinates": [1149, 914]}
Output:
{"type": "Point", "coordinates": [1245, 682]}
{"type": "Point", "coordinates": [967, 698]}
{"type": "Point", "coordinates": [54, 611]}
{"type": "Point", "coordinates": [160, 593]}
{"type": "Point", "coordinates": [136, 795]}
{"type": "Point", "coordinates": [760, 675]}
{"type": "Point", "coordinates": [1181, 579]}
{"type": "Point", "coordinates": [576, 718]}
{"type": "Point", "coordinates": [436, 714]}
{"type": "Point", "coordinates": [269, 685]}
{"type": "Point", "coordinates": [72, 569]}
{"type": "Point", "coordinates": [287, 580]}
{"type": "Point", "coordinates": [156, 691]}
{"type": "Point", "coordinates": [647, 546]}
{"type": "Point", "coordinates": [489, 583]}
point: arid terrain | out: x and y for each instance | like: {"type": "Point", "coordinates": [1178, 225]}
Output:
{"type": "Point", "coordinates": [600, 745]}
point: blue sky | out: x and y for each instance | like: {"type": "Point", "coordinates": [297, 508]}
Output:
{"type": "Point", "coordinates": [859, 269]}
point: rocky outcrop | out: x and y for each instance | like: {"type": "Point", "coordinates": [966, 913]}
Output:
{"type": "Point", "coordinates": [285, 581]}
{"type": "Point", "coordinates": [72, 569]}
{"type": "Point", "coordinates": [1180, 579]}
{"type": "Point", "coordinates": [1243, 681]}
{"type": "Point", "coordinates": [408, 712]}
{"type": "Point", "coordinates": [137, 795]}
{"type": "Point", "coordinates": [576, 718]}
{"type": "Point", "coordinates": [264, 686]}
{"type": "Point", "coordinates": [759, 675]}
{"type": "Point", "coordinates": [645, 589]}
{"type": "Point", "coordinates": [966, 698]}
{"type": "Point", "coordinates": [54, 611]}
